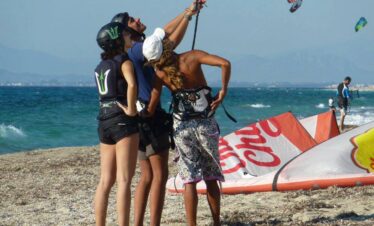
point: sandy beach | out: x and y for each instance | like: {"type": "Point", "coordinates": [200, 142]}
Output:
{"type": "Point", "coordinates": [56, 187]}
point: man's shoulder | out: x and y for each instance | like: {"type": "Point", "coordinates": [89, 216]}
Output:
{"type": "Point", "coordinates": [136, 51]}
{"type": "Point", "coordinates": [137, 46]}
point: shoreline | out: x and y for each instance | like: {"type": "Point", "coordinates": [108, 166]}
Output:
{"type": "Point", "coordinates": [56, 186]}
{"type": "Point", "coordinates": [360, 88]}
{"type": "Point", "coordinates": [347, 128]}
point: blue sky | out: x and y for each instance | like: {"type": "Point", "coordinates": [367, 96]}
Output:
{"type": "Point", "coordinates": [264, 28]}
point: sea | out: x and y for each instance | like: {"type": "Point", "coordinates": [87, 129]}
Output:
{"type": "Point", "coordinates": [47, 117]}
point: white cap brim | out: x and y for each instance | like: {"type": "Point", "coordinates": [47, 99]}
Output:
{"type": "Point", "coordinates": [152, 46]}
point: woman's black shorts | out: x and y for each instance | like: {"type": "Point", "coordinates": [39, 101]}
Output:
{"type": "Point", "coordinates": [116, 128]}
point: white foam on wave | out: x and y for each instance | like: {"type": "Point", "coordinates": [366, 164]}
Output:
{"type": "Point", "coordinates": [358, 119]}
{"type": "Point", "coordinates": [358, 115]}
{"type": "Point", "coordinates": [364, 108]}
{"type": "Point", "coordinates": [258, 105]}
{"type": "Point", "coordinates": [10, 131]}
{"type": "Point", "coordinates": [320, 105]}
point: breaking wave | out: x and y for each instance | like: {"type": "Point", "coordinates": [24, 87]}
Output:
{"type": "Point", "coordinates": [259, 106]}
{"type": "Point", "coordinates": [10, 131]}
{"type": "Point", "coordinates": [320, 105]}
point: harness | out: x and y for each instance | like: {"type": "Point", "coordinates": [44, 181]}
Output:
{"type": "Point", "coordinates": [192, 103]}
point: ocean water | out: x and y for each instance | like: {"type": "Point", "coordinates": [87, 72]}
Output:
{"type": "Point", "coordinates": [45, 117]}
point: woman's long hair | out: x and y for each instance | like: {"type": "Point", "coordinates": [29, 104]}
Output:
{"type": "Point", "coordinates": [169, 64]}
{"type": "Point", "coordinates": [110, 54]}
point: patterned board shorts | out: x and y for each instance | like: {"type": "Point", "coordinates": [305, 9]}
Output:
{"type": "Point", "coordinates": [196, 141]}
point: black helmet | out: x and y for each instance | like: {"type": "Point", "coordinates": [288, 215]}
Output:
{"type": "Point", "coordinates": [122, 18]}
{"type": "Point", "coordinates": [110, 36]}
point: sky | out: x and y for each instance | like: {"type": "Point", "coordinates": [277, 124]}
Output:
{"type": "Point", "coordinates": [264, 28]}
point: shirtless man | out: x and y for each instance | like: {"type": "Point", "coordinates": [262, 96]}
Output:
{"type": "Point", "coordinates": [196, 131]}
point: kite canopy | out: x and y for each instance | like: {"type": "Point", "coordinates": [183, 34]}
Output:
{"type": "Point", "coordinates": [360, 24]}
{"type": "Point", "coordinates": [279, 154]}
{"type": "Point", "coordinates": [296, 5]}
{"type": "Point", "coordinates": [321, 127]}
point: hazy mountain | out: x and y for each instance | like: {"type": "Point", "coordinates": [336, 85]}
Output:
{"type": "Point", "coordinates": [324, 64]}
{"type": "Point", "coordinates": [299, 67]}
{"type": "Point", "coordinates": [30, 79]}
{"type": "Point", "coordinates": [316, 66]}
{"type": "Point", "coordinates": [354, 50]}
{"type": "Point", "coordinates": [29, 61]}
{"type": "Point", "coordinates": [27, 67]}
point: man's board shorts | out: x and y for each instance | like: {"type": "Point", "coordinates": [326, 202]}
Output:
{"type": "Point", "coordinates": [343, 105]}
{"type": "Point", "coordinates": [113, 129]}
{"type": "Point", "coordinates": [196, 141]}
{"type": "Point", "coordinates": [154, 134]}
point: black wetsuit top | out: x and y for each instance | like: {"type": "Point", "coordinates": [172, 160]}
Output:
{"type": "Point", "coordinates": [192, 103]}
{"type": "Point", "coordinates": [111, 86]}
{"type": "Point", "coordinates": [343, 95]}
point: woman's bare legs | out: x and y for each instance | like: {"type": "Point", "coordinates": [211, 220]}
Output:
{"type": "Point", "coordinates": [142, 191]}
{"type": "Point", "coordinates": [126, 156]}
{"type": "Point", "coordinates": [154, 174]}
{"type": "Point", "coordinates": [190, 203]}
{"type": "Point", "coordinates": [159, 163]}
{"type": "Point", "coordinates": [107, 179]}
{"type": "Point", "coordinates": [214, 198]}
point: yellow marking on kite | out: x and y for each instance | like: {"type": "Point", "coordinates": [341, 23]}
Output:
{"type": "Point", "coordinates": [364, 154]}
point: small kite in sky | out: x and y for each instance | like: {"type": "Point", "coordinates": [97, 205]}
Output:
{"type": "Point", "coordinates": [295, 5]}
{"type": "Point", "coordinates": [360, 24]}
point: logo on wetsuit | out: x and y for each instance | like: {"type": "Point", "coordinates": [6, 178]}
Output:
{"type": "Point", "coordinates": [102, 81]}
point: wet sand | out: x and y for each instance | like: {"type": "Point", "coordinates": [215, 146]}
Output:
{"type": "Point", "coordinates": [56, 187]}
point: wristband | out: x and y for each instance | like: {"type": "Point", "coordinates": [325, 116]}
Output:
{"type": "Point", "coordinates": [188, 17]}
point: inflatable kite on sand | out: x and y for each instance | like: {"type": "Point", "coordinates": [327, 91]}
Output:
{"type": "Point", "coordinates": [278, 154]}
{"type": "Point", "coordinates": [322, 126]}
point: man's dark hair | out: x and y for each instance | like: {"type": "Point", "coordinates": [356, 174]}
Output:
{"type": "Point", "coordinates": [348, 79]}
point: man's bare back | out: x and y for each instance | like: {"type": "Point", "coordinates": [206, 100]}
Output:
{"type": "Point", "coordinates": [190, 66]}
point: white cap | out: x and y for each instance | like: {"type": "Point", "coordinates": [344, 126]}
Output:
{"type": "Point", "coordinates": [152, 46]}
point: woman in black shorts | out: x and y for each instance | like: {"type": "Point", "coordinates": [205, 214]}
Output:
{"type": "Point", "coordinates": [118, 129]}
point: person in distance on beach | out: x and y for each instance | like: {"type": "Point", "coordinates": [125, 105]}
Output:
{"type": "Point", "coordinates": [118, 129]}
{"type": "Point", "coordinates": [344, 98]}
{"type": "Point", "coordinates": [196, 132]}
{"type": "Point", "coordinates": [331, 104]}
{"type": "Point", "coordinates": [154, 130]}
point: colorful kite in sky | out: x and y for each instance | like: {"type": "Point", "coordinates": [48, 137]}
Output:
{"type": "Point", "coordinates": [295, 5]}
{"type": "Point", "coordinates": [360, 24]}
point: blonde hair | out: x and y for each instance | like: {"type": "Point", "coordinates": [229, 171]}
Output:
{"type": "Point", "coordinates": [169, 64]}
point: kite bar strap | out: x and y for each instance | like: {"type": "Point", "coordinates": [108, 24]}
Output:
{"type": "Point", "coordinates": [228, 114]}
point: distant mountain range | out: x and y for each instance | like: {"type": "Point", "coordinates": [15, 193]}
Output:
{"type": "Point", "coordinates": [300, 67]}
{"type": "Point", "coordinates": [26, 67]}
{"type": "Point", "coordinates": [318, 67]}
{"type": "Point", "coordinates": [8, 78]}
